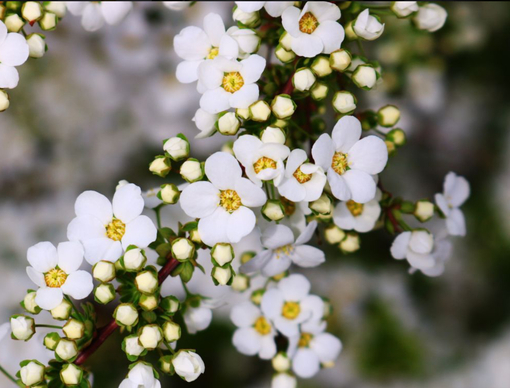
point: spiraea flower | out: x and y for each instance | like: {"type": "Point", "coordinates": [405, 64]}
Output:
{"type": "Point", "coordinates": [261, 161]}
{"type": "Point", "coordinates": [14, 52]}
{"type": "Point", "coordinates": [416, 247]}
{"type": "Point", "coordinates": [255, 333]}
{"type": "Point", "coordinates": [188, 365]}
{"type": "Point", "coordinates": [56, 272]}
{"type": "Point", "coordinates": [273, 8]}
{"type": "Point", "coordinates": [455, 192]}
{"type": "Point", "coordinates": [95, 13]}
{"type": "Point", "coordinates": [141, 375]}
{"type": "Point", "coordinates": [197, 318]}
{"type": "Point", "coordinates": [106, 230]}
{"type": "Point", "coordinates": [404, 8]}
{"type": "Point", "coordinates": [441, 254]}
{"type": "Point", "coordinates": [222, 204]}
{"type": "Point", "coordinates": [361, 217]}
{"type": "Point", "coordinates": [367, 26]}
{"type": "Point", "coordinates": [430, 17]}
{"type": "Point", "coordinates": [314, 29]}
{"type": "Point", "coordinates": [283, 249]}
{"type": "Point", "coordinates": [350, 162]}
{"type": "Point", "coordinates": [229, 83]}
{"type": "Point", "coordinates": [302, 181]}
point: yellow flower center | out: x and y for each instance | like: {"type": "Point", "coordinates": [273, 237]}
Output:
{"type": "Point", "coordinates": [285, 250]}
{"type": "Point", "coordinates": [301, 177]}
{"type": "Point", "coordinates": [291, 310]}
{"type": "Point", "coordinates": [288, 206]}
{"type": "Point", "coordinates": [55, 278]}
{"type": "Point", "coordinates": [355, 208]}
{"type": "Point", "coordinates": [232, 81]}
{"type": "Point", "coordinates": [213, 53]}
{"type": "Point", "coordinates": [304, 340]}
{"type": "Point", "coordinates": [230, 200]}
{"type": "Point", "coordinates": [308, 23]}
{"type": "Point", "coordinates": [115, 230]}
{"type": "Point", "coordinates": [262, 326]}
{"type": "Point", "coordinates": [339, 163]}
{"type": "Point", "coordinates": [264, 163]}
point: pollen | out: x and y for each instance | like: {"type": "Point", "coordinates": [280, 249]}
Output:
{"type": "Point", "coordinates": [115, 230]}
{"type": "Point", "coordinates": [308, 23]}
{"type": "Point", "coordinates": [230, 200]}
{"type": "Point", "coordinates": [262, 326]}
{"type": "Point", "coordinates": [213, 53]}
{"type": "Point", "coordinates": [263, 163]}
{"type": "Point", "coordinates": [339, 163]}
{"type": "Point", "coordinates": [55, 278]}
{"type": "Point", "coordinates": [304, 340]}
{"type": "Point", "coordinates": [301, 177]}
{"type": "Point", "coordinates": [354, 207]}
{"type": "Point", "coordinates": [291, 310]}
{"type": "Point", "coordinates": [285, 250]}
{"type": "Point", "coordinates": [232, 81]}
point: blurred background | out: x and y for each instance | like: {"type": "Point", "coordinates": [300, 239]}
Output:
{"type": "Point", "coordinates": [96, 107]}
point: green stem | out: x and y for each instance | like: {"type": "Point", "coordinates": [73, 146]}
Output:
{"type": "Point", "coordinates": [72, 304]}
{"type": "Point", "coordinates": [158, 216]}
{"type": "Point", "coordinates": [186, 289]}
{"type": "Point", "coordinates": [168, 346]}
{"type": "Point", "coordinates": [8, 375]}
{"type": "Point", "coordinates": [360, 47]}
{"type": "Point", "coordinates": [272, 190]}
{"type": "Point", "coordinates": [49, 326]}
{"type": "Point", "coordinates": [266, 186]}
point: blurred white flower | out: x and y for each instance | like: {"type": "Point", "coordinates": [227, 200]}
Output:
{"type": "Point", "coordinates": [441, 254]}
{"type": "Point", "coordinates": [283, 380]}
{"type": "Point", "coordinates": [404, 8]}
{"type": "Point", "coordinates": [14, 51]}
{"type": "Point", "coordinates": [273, 8]}
{"type": "Point", "coordinates": [430, 17]}
{"type": "Point", "coordinates": [367, 26]}
{"type": "Point", "coordinates": [416, 247]}
{"type": "Point", "coordinates": [456, 191]}
{"type": "Point", "coordinates": [150, 198]}
{"type": "Point", "coordinates": [197, 318]}
{"type": "Point", "coordinates": [176, 5]}
{"type": "Point", "coordinates": [95, 13]}
{"type": "Point", "coordinates": [205, 122]}
{"type": "Point", "coordinates": [246, 38]}
{"type": "Point", "coordinates": [140, 376]}
{"type": "Point", "coordinates": [188, 365]}
{"type": "Point", "coordinates": [360, 217]}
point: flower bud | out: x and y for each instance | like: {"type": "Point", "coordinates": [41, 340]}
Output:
{"type": "Point", "coordinates": [177, 147]}
{"type": "Point", "coordinates": [31, 11]}
{"type": "Point", "coordinates": [284, 380]}
{"type": "Point", "coordinates": [340, 60]}
{"type": "Point", "coordinates": [283, 107]}
{"type": "Point", "coordinates": [29, 303]}
{"type": "Point", "coordinates": [71, 375]}
{"type": "Point", "coordinates": [134, 260]}
{"type": "Point", "coordinates": [323, 205]}
{"type": "Point", "coordinates": [170, 304]}
{"type": "Point", "coordinates": [222, 275]}
{"type": "Point", "coordinates": [273, 135]}
{"type": "Point", "coordinates": [350, 243]}
{"type": "Point", "coordinates": [62, 311]}
{"type": "Point", "coordinates": [424, 210]}
{"type": "Point", "coordinates": [430, 17]}
{"type": "Point", "coordinates": [240, 283]}
{"type": "Point", "coordinates": [303, 79]}
{"type": "Point", "coordinates": [319, 91]}
{"type": "Point", "coordinates": [391, 147]}
{"type": "Point", "coordinates": [243, 113]}
{"type": "Point", "coordinates": [344, 102]}
{"type": "Point", "coordinates": [22, 327]}
{"type": "Point", "coordinates": [273, 210]}
{"type": "Point", "coordinates": [171, 331]}
{"type": "Point", "coordinates": [131, 346]}
{"type": "Point", "coordinates": [321, 66]}
{"type": "Point", "coordinates": [286, 41]}
{"type": "Point", "coordinates": [126, 314]}
{"type": "Point", "coordinates": [367, 26]}
{"type": "Point", "coordinates": [148, 302]}
{"type": "Point", "coordinates": [32, 373]}
{"type": "Point", "coordinates": [182, 249]}
{"type": "Point", "coordinates": [188, 365]}
{"type": "Point", "coordinates": [66, 349]}
{"type": "Point", "coordinates": [150, 336]}
{"type": "Point", "coordinates": [256, 296]}
{"type": "Point", "coordinates": [4, 100]}
{"type": "Point", "coordinates": [57, 7]}
{"type": "Point", "coordinates": [388, 116]}
{"type": "Point", "coordinates": [247, 256]}
{"type": "Point", "coordinates": [74, 329]}
{"type": "Point", "coordinates": [165, 364]}
{"type": "Point", "coordinates": [104, 271]}
{"type": "Point", "coordinates": [349, 31]}
{"type": "Point", "coordinates": [228, 124]}
{"type": "Point", "coordinates": [334, 234]}
{"type": "Point", "coordinates": [147, 282]}
{"type": "Point", "coordinates": [222, 253]}
{"type": "Point", "coordinates": [403, 9]}
{"type": "Point", "coordinates": [36, 45]}
{"type": "Point", "coordinates": [281, 362]}
{"type": "Point", "coordinates": [365, 77]}
{"type": "Point", "coordinates": [14, 23]}
{"type": "Point", "coordinates": [192, 170]}
{"type": "Point", "coordinates": [260, 111]}
{"type": "Point", "coordinates": [285, 56]}
{"type": "Point", "coordinates": [48, 22]}
{"type": "Point", "coordinates": [51, 341]}
{"type": "Point", "coordinates": [249, 19]}
{"type": "Point", "coordinates": [160, 166]}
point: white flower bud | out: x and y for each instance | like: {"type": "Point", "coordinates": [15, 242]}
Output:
{"type": "Point", "coordinates": [31, 11]}
{"type": "Point", "coordinates": [62, 311]}
{"type": "Point", "coordinates": [134, 259]}
{"type": "Point", "coordinates": [51, 341]}
{"type": "Point", "coordinates": [74, 329]}
{"type": "Point", "coordinates": [281, 362]}
{"type": "Point", "coordinates": [365, 76]}
{"type": "Point", "coordinates": [421, 241]}
{"type": "Point", "coordinates": [228, 124]}
{"type": "Point", "coordinates": [57, 7]}
{"type": "Point", "coordinates": [22, 328]}
{"type": "Point", "coordinates": [32, 373]}
{"type": "Point", "coordinates": [132, 347]}
{"type": "Point", "coordinates": [48, 22]}
{"type": "Point", "coordinates": [430, 17]}
{"type": "Point", "coordinates": [104, 271]}
{"type": "Point", "coordinates": [247, 39]}
{"type": "Point", "coordinates": [125, 314]}
{"type": "Point", "coordinates": [182, 249]}
{"type": "Point", "coordinates": [71, 374]}
{"type": "Point", "coordinates": [66, 349]}
{"type": "Point", "coordinates": [150, 337]}
{"type": "Point", "coordinates": [221, 275]}
{"type": "Point", "coordinates": [388, 116]}
{"type": "Point", "coordinates": [222, 253]}
{"type": "Point", "coordinates": [286, 41]}
{"type": "Point", "coordinates": [192, 170]}
{"type": "Point", "coordinates": [147, 282]}
{"type": "Point", "coordinates": [160, 166]}
{"type": "Point", "coordinates": [349, 31]}
{"type": "Point", "coordinates": [243, 113]}
{"type": "Point", "coordinates": [321, 66]}
{"type": "Point", "coordinates": [285, 56]}
{"type": "Point", "coordinates": [195, 236]}
{"type": "Point", "coordinates": [350, 243]}
{"type": "Point", "coordinates": [171, 331]}
{"type": "Point", "coordinates": [303, 79]}
{"type": "Point", "coordinates": [283, 380]}
{"type": "Point", "coordinates": [323, 205]}
{"type": "Point", "coordinates": [188, 365]}
{"type": "Point", "coordinates": [273, 135]}
{"type": "Point", "coordinates": [249, 19]}
{"type": "Point", "coordinates": [169, 193]}
{"type": "Point", "coordinates": [344, 102]}
{"type": "Point", "coordinates": [148, 302]}
{"type": "Point", "coordinates": [319, 91]}
{"type": "Point", "coordinates": [240, 283]}
{"type": "Point", "coordinates": [424, 210]}
{"type": "Point", "coordinates": [334, 234]}
{"type": "Point", "coordinates": [36, 45]}
{"type": "Point", "coordinates": [4, 100]}
{"type": "Point", "coordinates": [177, 148]}
{"type": "Point", "coordinates": [403, 9]}
{"type": "Point", "coordinates": [29, 303]}
{"type": "Point", "coordinates": [14, 23]}
{"type": "Point", "coordinates": [367, 26]}
{"type": "Point", "coordinates": [260, 111]}
{"type": "Point", "coordinates": [283, 107]}
{"type": "Point", "coordinates": [273, 210]}
{"type": "Point", "coordinates": [340, 60]}
{"type": "Point", "coordinates": [397, 136]}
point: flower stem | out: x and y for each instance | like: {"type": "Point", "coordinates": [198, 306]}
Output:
{"type": "Point", "coordinates": [158, 216]}
{"type": "Point", "coordinates": [49, 326]}
{"type": "Point", "coordinates": [8, 375]}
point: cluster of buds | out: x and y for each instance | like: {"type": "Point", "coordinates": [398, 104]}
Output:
{"type": "Point", "coordinates": [222, 255]}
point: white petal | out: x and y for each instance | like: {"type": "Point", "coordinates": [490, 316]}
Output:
{"type": "Point", "coordinates": [215, 101]}
{"type": "Point", "coordinates": [223, 170]}
{"type": "Point", "coordinates": [288, 328]}
{"type": "Point", "coordinates": [240, 223]}
{"type": "Point", "coordinates": [247, 341]}
{"type": "Point", "coordinates": [370, 155]}
{"type": "Point", "coordinates": [291, 189]}
{"type": "Point", "coordinates": [91, 203]}
{"type": "Point", "coordinates": [307, 256]}
{"type": "Point", "coordinates": [272, 303]}
{"type": "Point", "coordinates": [305, 363]}
{"type": "Point", "coordinates": [244, 147]}
{"type": "Point", "coordinates": [140, 232]}
{"type": "Point", "coordinates": [295, 287]}
{"type": "Point", "coordinates": [420, 261]}
{"type": "Point", "coordinates": [115, 11]}
{"type": "Point", "coordinates": [213, 228]}
{"type": "Point", "coordinates": [442, 203]}
{"type": "Point", "coordinates": [276, 265]}
{"type": "Point", "coordinates": [250, 6]}
{"type": "Point", "coordinates": [192, 44]}
{"type": "Point", "coordinates": [92, 18]}
{"type": "Point", "coordinates": [267, 347]}
{"type": "Point", "coordinates": [84, 228]}
{"type": "Point", "coordinates": [296, 158]}
{"type": "Point", "coordinates": [3, 32]}
{"type": "Point", "coordinates": [456, 223]}
{"type": "Point", "coordinates": [253, 66]}
{"type": "Point", "coordinates": [275, 151]}
{"type": "Point", "coordinates": [338, 186]}
{"type": "Point", "coordinates": [421, 242]}
{"type": "Point", "coordinates": [361, 185]}
{"type": "Point", "coordinates": [257, 262]}
{"type": "Point", "coordinates": [276, 8]}
{"type": "Point", "coordinates": [210, 75]}
{"type": "Point", "coordinates": [42, 256]}
{"type": "Point", "coordinates": [332, 35]}
{"type": "Point", "coordinates": [251, 195]}
{"type": "Point", "coordinates": [346, 133]}
{"type": "Point", "coordinates": [290, 21]}
{"type": "Point", "coordinates": [48, 298]}
{"type": "Point", "coordinates": [214, 28]}
{"type": "Point", "coordinates": [36, 276]}
{"type": "Point", "coordinates": [9, 77]}
{"type": "Point", "coordinates": [128, 203]}
{"type": "Point", "coordinates": [14, 50]}
{"type": "Point", "coordinates": [323, 150]}
{"type": "Point", "coordinates": [70, 256]}
{"type": "Point", "coordinates": [459, 192]}
{"type": "Point", "coordinates": [76, 7]}
{"type": "Point", "coordinates": [400, 244]}
{"type": "Point", "coordinates": [364, 223]}
{"type": "Point", "coordinates": [315, 186]}
{"type": "Point", "coordinates": [342, 217]}
{"type": "Point", "coordinates": [199, 199]}
{"type": "Point", "coordinates": [244, 97]}
{"type": "Point", "coordinates": [244, 314]}
{"type": "Point", "coordinates": [313, 305]}
{"type": "Point", "coordinates": [323, 10]}
{"type": "Point", "coordinates": [78, 285]}
{"type": "Point", "coordinates": [307, 234]}
{"type": "Point", "coordinates": [307, 45]}
{"type": "Point", "coordinates": [326, 346]}
{"type": "Point", "coordinates": [102, 248]}
{"type": "Point", "coordinates": [187, 71]}
{"type": "Point", "coordinates": [276, 236]}
{"type": "Point", "coordinates": [229, 48]}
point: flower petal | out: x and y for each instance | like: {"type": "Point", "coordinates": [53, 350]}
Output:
{"type": "Point", "coordinates": [84, 228]}
{"type": "Point", "coordinates": [291, 189]}
{"type": "Point", "coordinates": [213, 228]}
{"type": "Point", "coordinates": [346, 133]}
{"type": "Point", "coordinates": [276, 8]}
{"type": "Point", "coordinates": [78, 285]}
{"type": "Point", "coordinates": [295, 287]}
{"type": "Point", "coordinates": [276, 265]}
{"type": "Point", "coordinates": [91, 203]}
{"type": "Point", "coordinates": [307, 45]}
{"type": "Point", "coordinates": [9, 77]}
{"type": "Point", "coordinates": [455, 223]}
{"type": "Point", "coordinates": [306, 234]}
{"type": "Point", "coordinates": [257, 262]}
{"type": "Point", "coordinates": [313, 307]}
{"type": "Point", "coordinates": [244, 97]}
{"type": "Point", "coordinates": [14, 50]}
{"type": "Point", "coordinates": [338, 186]}
{"type": "Point", "coordinates": [332, 35]}
{"type": "Point", "coordinates": [296, 158]}
{"type": "Point", "coordinates": [192, 44]}
{"type": "Point", "coordinates": [244, 148]}
{"type": "Point", "coordinates": [244, 314]}
{"type": "Point", "coordinates": [128, 203]}
{"type": "Point", "coordinates": [326, 346]}
{"type": "Point", "coordinates": [253, 66]}
{"type": "Point", "coordinates": [251, 195]}
{"type": "Point", "coordinates": [42, 256]}
{"type": "Point", "coordinates": [290, 21]}
{"type": "Point", "coordinates": [276, 236]}
{"type": "Point", "coordinates": [229, 48]}
{"type": "Point", "coordinates": [370, 155]}
{"type": "Point", "coordinates": [307, 256]}
{"type": "Point", "coordinates": [361, 185]}
{"type": "Point", "coordinates": [420, 261]}
{"type": "Point", "coordinates": [70, 256]}
{"type": "Point", "coordinates": [114, 11]}
{"type": "Point", "coordinates": [92, 18]}
{"type": "Point", "coordinates": [140, 232]}
{"type": "Point", "coordinates": [240, 223]}
{"type": "Point", "coordinates": [223, 170]}
{"type": "Point", "coordinates": [272, 303]}
{"type": "Point", "coordinates": [459, 192]}
{"type": "Point", "coordinates": [400, 244]}
{"type": "Point", "coordinates": [323, 11]}
{"type": "Point", "coordinates": [247, 341]}
{"type": "Point", "coordinates": [187, 71]}
{"type": "Point", "coordinates": [305, 363]}
{"type": "Point", "coordinates": [48, 298]}
{"type": "Point", "coordinates": [342, 217]}
{"type": "Point", "coordinates": [102, 248]}
{"type": "Point", "coordinates": [215, 100]}
{"type": "Point", "coordinates": [36, 276]}
{"type": "Point", "coordinates": [323, 150]}
{"type": "Point", "coordinates": [267, 347]}
{"type": "Point", "coordinates": [214, 28]}
{"type": "Point", "coordinates": [199, 199]}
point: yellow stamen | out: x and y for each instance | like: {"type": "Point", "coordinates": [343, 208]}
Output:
{"type": "Point", "coordinates": [304, 340]}
{"type": "Point", "coordinates": [115, 230]}
{"type": "Point", "coordinates": [55, 278]}
{"type": "Point", "coordinates": [308, 23]}
{"type": "Point", "coordinates": [291, 310]}
{"type": "Point", "coordinates": [262, 326]}
{"type": "Point", "coordinates": [301, 177]}
{"type": "Point", "coordinates": [264, 163]}
{"type": "Point", "coordinates": [285, 250]}
{"type": "Point", "coordinates": [355, 208]}
{"type": "Point", "coordinates": [339, 163]}
{"type": "Point", "coordinates": [230, 200]}
{"type": "Point", "coordinates": [232, 81]}
{"type": "Point", "coordinates": [213, 53]}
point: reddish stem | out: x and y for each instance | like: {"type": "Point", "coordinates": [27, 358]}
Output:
{"type": "Point", "coordinates": [393, 220]}
{"type": "Point", "coordinates": [287, 89]}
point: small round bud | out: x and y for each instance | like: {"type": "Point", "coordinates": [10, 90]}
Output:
{"type": "Point", "coordinates": [286, 41]}
{"type": "Point", "coordinates": [391, 147]}
{"type": "Point", "coordinates": [303, 79]}
{"type": "Point", "coordinates": [177, 147]}
{"type": "Point", "coordinates": [29, 303]}
{"type": "Point", "coordinates": [150, 337]}
{"type": "Point", "coordinates": [344, 102]}
{"type": "Point", "coordinates": [283, 106]}
{"type": "Point", "coordinates": [71, 375]}
{"type": "Point", "coordinates": [57, 7]}
{"type": "Point", "coordinates": [334, 234]}
{"type": "Point", "coordinates": [340, 60]}
{"type": "Point", "coordinates": [147, 282]}
{"type": "Point", "coordinates": [273, 135]}
{"type": "Point", "coordinates": [31, 11]}
{"type": "Point", "coordinates": [62, 311]}
{"type": "Point", "coordinates": [222, 275]}
{"type": "Point", "coordinates": [260, 111]}
{"type": "Point", "coordinates": [281, 362]}
{"type": "Point", "coordinates": [273, 210]}
{"type": "Point", "coordinates": [192, 170]}
{"type": "Point", "coordinates": [321, 66]}
{"type": "Point", "coordinates": [160, 166]}
{"type": "Point", "coordinates": [4, 100]}
{"type": "Point", "coordinates": [165, 364]}
{"type": "Point", "coordinates": [256, 296]}
{"type": "Point", "coordinates": [66, 349]}
{"type": "Point", "coordinates": [171, 331]}
{"type": "Point", "coordinates": [319, 91]}
{"type": "Point", "coordinates": [240, 283]}
{"type": "Point", "coordinates": [36, 45]}
{"type": "Point", "coordinates": [365, 77]}
{"type": "Point", "coordinates": [126, 314]}
{"type": "Point", "coordinates": [134, 260]}
{"type": "Point", "coordinates": [285, 56]}
{"type": "Point", "coordinates": [243, 113]}
{"type": "Point", "coordinates": [14, 23]}
{"type": "Point", "coordinates": [51, 341]}
{"type": "Point", "coordinates": [424, 210]}
{"type": "Point", "coordinates": [148, 302]}
{"type": "Point", "coordinates": [22, 327]}
{"type": "Point", "coordinates": [74, 329]}
{"type": "Point", "coordinates": [182, 249]}
{"type": "Point", "coordinates": [247, 256]}
{"type": "Point", "coordinates": [228, 124]}
{"type": "Point", "coordinates": [104, 293]}
{"type": "Point", "coordinates": [249, 19]}
{"type": "Point", "coordinates": [104, 271]}
{"type": "Point", "coordinates": [170, 304]}
{"type": "Point", "coordinates": [48, 22]}
{"type": "Point", "coordinates": [350, 243]}
{"type": "Point", "coordinates": [222, 253]}
{"type": "Point", "coordinates": [323, 205]}
{"type": "Point", "coordinates": [403, 9]}
{"type": "Point", "coordinates": [368, 27]}
{"type": "Point", "coordinates": [169, 194]}
{"type": "Point", "coordinates": [397, 136]}
{"type": "Point", "coordinates": [388, 116]}
{"type": "Point", "coordinates": [32, 373]}
{"type": "Point", "coordinates": [131, 346]}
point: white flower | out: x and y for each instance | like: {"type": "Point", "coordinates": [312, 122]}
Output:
{"type": "Point", "coordinates": [55, 271]}
{"type": "Point", "coordinates": [255, 333]}
{"type": "Point", "coordinates": [404, 8]}
{"type": "Point", "coordinates": [262, 161]}
{"type": "Point", "coordinates": [197, 318]}
{"type": "Point", "coordinates": [455, 192]}
{"type": "Point", "coordinates": [302, 181]}
{"type": "Point", "coordinates": [349, 161]}
{"type": "Point", "coordinates": [360, 217]}
{"type": "Point", "coordinates": [229, 83]}
{"type": "Point", "coordinates": [176, 5]}
{"type": "Point", "coordinates": [367, 26]}
{"type": "Point", "coordinates": [283, 380]}
{"type": "Point", "coordinates": [176, 147]}
{"type": "Point", "coordinates": [283, 249]}
{"type": "Point", "coordinates": [416, 247]}
{"type": "Point", "coordinates": [289, 305]}
{"type": "Point", "coordinates": [314, 29]}
{"type": "Point", "coordinates": [188, 365]}
{"type": "Point", "coordinates": [195, 45]}
{"type": "Point", "coordinates": [273, 8]}
{"type": "Point", "coordinates": [140, 376]}
{"type": "Point", "coordinates": [95, 13]}
{"type": "Point", "coordinates": [106, 230]}
{"type": "Point", "coordinates": [441, 253]}
{"type": "Point", "coordinates": [14, 51]}
{"type": "Point", "coordinates": [430, 17]}
{"type": "Point", "coordinates": [205, 122]}
{"type": "Point", "coordinates": [247, 40]}
{"type": "Point", "coordinates": [223, 204]}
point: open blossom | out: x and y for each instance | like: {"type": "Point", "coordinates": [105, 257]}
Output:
{"type": "Point", "coordinates": [367, 26]}
{"type": "Point", "coordinates": [430, 17]}
{"type": "Point", "coordinates": [141, 376]}
{"type": "Point", "coordinates": [314, 29]}
{"type": "Point", "coordinates": [417, 247]}
{"type": "Point", "coordinates": [350, 162]}
{"type": "Point", "coordinates": [56, 272]}
{"type": "Point", "coordinates": [223, 204]}
{"type": "Point", "coordinates": [95, 13]}
{"type": "Point", "coordinates": [360, 217]}
{"type": "Point", "coordinates": [197, 318]}
{"type": "Point", "coordinates": [441, 254]}
{"type": "Point", "coordinates": [455, 192]}
{"type": "Point", "coordinates": [246, 38]}
{"type": "Point", "coordinates": [229, 83]}
{"type": "Point", "coordinates": [273, 8]}
{"type": "Point", "coordinates": [106, 229]}
{"type": "Point", "coordinates": [255, 333]}
{"type": "Point", "coordinates": [283, 250]}
{"type": "Point", "coordinates": [261, 161]}
{"type": "Point", "coordinates": [14, 51]}
{"type": "Point", "coordinates": [302, 181]}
